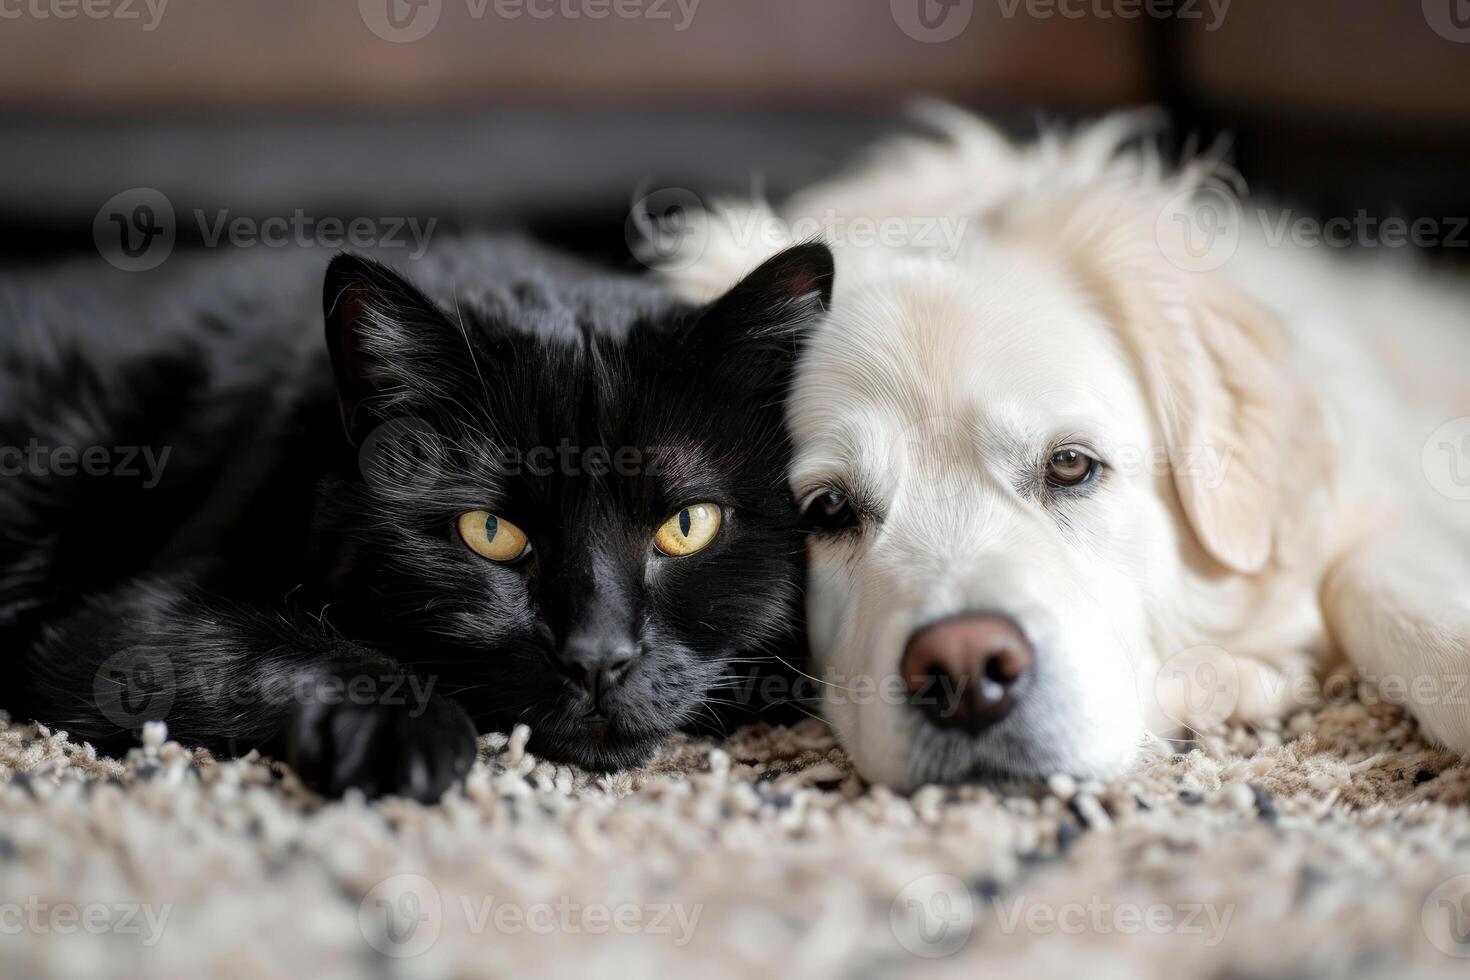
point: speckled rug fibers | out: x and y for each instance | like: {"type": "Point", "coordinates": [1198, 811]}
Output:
{"type": "Point", "coordinates": [1338, 845]}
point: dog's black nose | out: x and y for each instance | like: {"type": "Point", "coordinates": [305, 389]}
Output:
{"type": "Point", "coordinates": [597, 666]}
{"type": "Point", "coordinates": [967, 672]}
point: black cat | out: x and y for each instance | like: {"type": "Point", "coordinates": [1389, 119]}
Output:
{"type": "Point", "coordinates": [560, 500]}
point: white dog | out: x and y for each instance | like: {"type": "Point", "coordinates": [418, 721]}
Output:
{"type": "Point", "coordinates": [1088, 464]}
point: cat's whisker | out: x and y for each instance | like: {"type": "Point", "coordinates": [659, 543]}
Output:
{"type": "Point", "coordinates": [803, 673]}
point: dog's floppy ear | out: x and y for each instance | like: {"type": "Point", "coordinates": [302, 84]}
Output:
{"type": "Point", "coordinates": [1213, 360]}
{"type": "Point", "coordinates": [754, 333]}
{"type": "Point", "coordinates": [381, 334]}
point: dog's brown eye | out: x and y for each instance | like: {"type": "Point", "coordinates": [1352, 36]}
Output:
{"type": "Point", "coordinates": [830, 511]}
{"type": "Point", "coordinates": [1069, 468]}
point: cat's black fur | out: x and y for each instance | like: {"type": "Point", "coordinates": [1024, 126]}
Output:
{"type": "Point", "coordinates": [288, 585]}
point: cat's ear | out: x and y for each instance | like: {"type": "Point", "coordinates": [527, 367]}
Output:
{"type": "Point", "coordinates": [757, 329]}
{"type": "Point", "coordinates": [381, 332]}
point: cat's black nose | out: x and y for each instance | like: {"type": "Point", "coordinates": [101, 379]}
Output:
{"type": "Point", "coordinates": [597, 666]}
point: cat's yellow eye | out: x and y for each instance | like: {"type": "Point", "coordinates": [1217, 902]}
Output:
{"type": "Point", "coordinates": [492, 537]}
{"type": "Point", "coordinates": [689, 531]}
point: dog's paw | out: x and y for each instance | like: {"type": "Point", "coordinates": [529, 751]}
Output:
{"type": "Point", "coordinates": [415, 749]}
{"type": "Point", "coordinates": [1433, 684]}
{"type": "Point", "coordinates": [1207, 686]}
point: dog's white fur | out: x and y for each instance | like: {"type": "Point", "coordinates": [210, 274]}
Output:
{"type": "Point", "coordinates": [1263, 508]}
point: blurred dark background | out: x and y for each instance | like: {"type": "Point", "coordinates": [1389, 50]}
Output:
{"type": "Point", "coordinates": [553, 113]}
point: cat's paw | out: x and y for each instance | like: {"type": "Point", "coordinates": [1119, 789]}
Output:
{"type": "Point", "coordinates": [415, 749]}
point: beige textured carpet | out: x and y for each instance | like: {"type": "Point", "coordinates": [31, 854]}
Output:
{"type": "Point", "coordinates": [1321, 849]}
